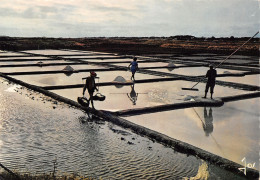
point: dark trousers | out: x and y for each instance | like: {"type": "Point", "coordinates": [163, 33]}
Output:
{"type": "Point", "coordinates": [210, 85]}
{"type": "Point", "coordinates": [91, 92]}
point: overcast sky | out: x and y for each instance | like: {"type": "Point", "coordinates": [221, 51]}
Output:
{"type": "Point", "coordinates": [88, 18]}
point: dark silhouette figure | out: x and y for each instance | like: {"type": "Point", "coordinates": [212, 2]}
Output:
{"type": "Point", "coordinates": [133, 95]}
{"type": "Point", "coordinates": [208, 125]}
{"type": "Point", "coordinates": [211, 75]}
{"type": "Point", "coordinates": [91, 86]}
{"type": "Point", "coordinates": [134, 67]}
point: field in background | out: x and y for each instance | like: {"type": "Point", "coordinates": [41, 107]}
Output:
{"type": "Point", "coordinates": [137, 45]}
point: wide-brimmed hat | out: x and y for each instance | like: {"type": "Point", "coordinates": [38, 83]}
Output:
{"type": "Point", "coordinates": [92, 73]}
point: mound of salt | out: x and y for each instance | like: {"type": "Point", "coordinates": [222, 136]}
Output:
{"type": "Point", "coordinates": [120, 79]}
{"type": "Point", "coordinates": [171, 65]}
{"type": "Point", "coordinates": [68, 68]}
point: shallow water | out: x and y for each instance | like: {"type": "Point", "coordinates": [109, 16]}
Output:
{"type": "Point", "coordinates": [32, 62]}
{"type": "Point", "coordinates": [248, 79]}
{"type": "Point", "coordinates": [6, 53]}
{"type": "Point", "coordinates": [76, 78]}
{"type": "Point", "coordinates": [100, 60]}
{"type": "Point", "coordinates": [239, 57]}
{"type": "Point", "coordinates": [57, 52]}
{"type": "Point", "coordinates": [33, 137]}
{"type": "Point", "coordinates": [49, 68]}
{"type": "Point", "coordinates": [90, 56]}
{"type": "Point", "coordinates": [29, 57]}
{"type": "Point", "coordinates": [140, 65]}
{"type": "Point", "coordinates": [147, 94]}
{"type": "Point", "coordinates": [237, 61]}
{"type": "Point", "coordinates": [195, 71]}
{"type": "Point", "coordinates": [231, 131]}
{"type": "Point", "coordinates": [194, 57]}
{"type": "Point", "coordinates": [35, 131]}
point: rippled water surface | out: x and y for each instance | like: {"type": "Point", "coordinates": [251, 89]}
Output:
{"type": "Point", "coordinates": [32, 137]}
{"type": "Point", "coordinates": [34, 131]}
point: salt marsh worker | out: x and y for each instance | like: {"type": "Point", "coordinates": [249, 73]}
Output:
{"type": "Point", "coordinates": [91, 86]}
{"type": "Point", "coordinates": [134, 67]}
{"type": "Point", "coordinates": [211, 75]}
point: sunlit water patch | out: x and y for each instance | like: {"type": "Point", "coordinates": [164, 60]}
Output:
{"type": "Point", "coordinates": [7, 53]}
{"type": "Point", "coordinates": [147, 95]}
{"type": "Point", "coordinates": [248, 79]}
{"type": "Point", "coordinates": [195, 71]}
{"type": "Point", "coordinates": [56, 52]}
{"type": "Point", "coordinates": [230, 131]}
{"type": "Point", "coordinates": [144, 64]}
{"type": "Point", "coordinates": [31, 62]}
{"type": "Point", "coordinates": [76, 78]}
{"type": "Point", "coordinates": [49, 68]}
{"type": "Point", "coordinates": [91, 56]}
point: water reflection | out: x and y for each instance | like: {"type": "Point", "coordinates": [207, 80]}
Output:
{"type": "Point", "coordinates": [170, 68]}
{"type": "Point", "coordinates": [208, 125]}
{"type": "Point", "coordinates": [133, 95]}
{"type": "Point", "coordinates": [68, 73]}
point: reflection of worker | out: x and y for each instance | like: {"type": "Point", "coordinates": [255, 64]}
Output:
{"type": "Point", "coordinates": [133, 95]}
{"type": "Point", "coordinates": [134, 67]}
{"type": "Point", "coordinates": [91, 86]}
{"type": "Point", "coordinates": [211, 75]}
{"type": "Point", "coordinates": [208, 126]}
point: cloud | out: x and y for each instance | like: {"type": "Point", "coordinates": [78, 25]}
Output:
{"type": "Point", "coordinates": [7, 12]}
{"type": "Point", "coordinates": [136, 18]}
